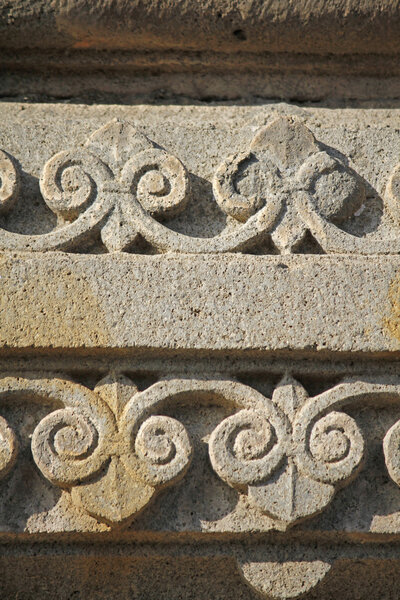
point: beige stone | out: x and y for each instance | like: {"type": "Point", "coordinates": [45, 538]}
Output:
{"type": "Point", "coordinates": [199, 300]}
{"type": "Point", "coordinates": [318, 26]}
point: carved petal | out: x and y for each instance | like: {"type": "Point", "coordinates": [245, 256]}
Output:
{"type": "Point", "coordinates": [116, 142]}
{"type": "Point", "coordinates": [336, 191]}
{"type": "Point", "coordinates": [284, 579]}
{"type": "Point", "coordinates": [114, 497]}
{"type": "Point", "coordinates": [287, 141]}
{"type": "Point", "coordinates": [289, 232]}
{"type": "Point", "coordinates": [290, 496]}
{"type": "Point", "coordinates": [116, 234]}
{"type": "Point", "coordinates": [116, 390]}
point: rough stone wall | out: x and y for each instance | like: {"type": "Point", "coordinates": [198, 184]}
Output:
{"type": "Point", "coordinates": [199, 300]}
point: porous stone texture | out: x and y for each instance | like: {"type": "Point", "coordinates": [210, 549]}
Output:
{"type": "Point", "coordinates": [340, 26]}
{"type": "Point", "coordinates": [199, 300]}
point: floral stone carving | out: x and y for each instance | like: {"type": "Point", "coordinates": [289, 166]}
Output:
{"type": "Point", "coordinates": [286, 167]}
{"type": "Point", "coordinates": [289, 452]}
{"type": "Point", "coordinates": [109, 449]}
{"type": "Point", "coordinates": [122, 185]}
{"type": "Point", "coordinates": [112, 449]}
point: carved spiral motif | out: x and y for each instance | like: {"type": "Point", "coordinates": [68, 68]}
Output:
{"type": "Point", "coordinates": [159, 182]}
{"type": "Point", "coordinates": [9, 182]}
{"type": "Point", "coordinates": [164, 449]}
{"type": "Point", "coordinates": [336, 192]}
{"type": "Point", "coordinates": [238, 205]}
{"type": "Point", "coordinates": [247, 447]}
{"type": "Point", "coordinates": [392, 194]}
{"type": "Point", "coordinates": [63, 445]}
{"type": "Point", "coordinates": [8, 447]}
{"type": "Point", "coordinates": [335, 448]}
{"type": "Point", "coordinates": [70, 181]}
{"type": "Point", "coordinates": [243, 184]}
{"type": "Point", "coordinates": [391, 449]}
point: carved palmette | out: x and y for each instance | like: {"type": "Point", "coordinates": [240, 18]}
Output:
{"type": "Point", "coordinates": [288, 454]}
{"type": "Point", "coordinates": [122, 186]}
{"type": "Point", "coordinates": [308, 447]}
{"type": "Point", "coordinates": [110, 448]}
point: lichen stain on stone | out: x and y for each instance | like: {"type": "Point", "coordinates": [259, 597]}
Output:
{"type": "Point", "coordinates": [56, 309]}
{"type": "Point", "coordinates": [391, 321]}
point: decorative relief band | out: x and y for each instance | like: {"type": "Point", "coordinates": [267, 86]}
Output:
{"type": "Point", "coordinates": [113, 448]}
{"type": "Point", "coordinates": [124, 186]}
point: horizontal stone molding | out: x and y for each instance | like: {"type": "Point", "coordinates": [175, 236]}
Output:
{"type": "Point", "coordinates": [300, 305]}
{"type": "Point", "coordinates": [338, 27]}
{"type": "Point", "coordinates": [122, 187]}
{"type": "Point", "coordinates": [112, 450]}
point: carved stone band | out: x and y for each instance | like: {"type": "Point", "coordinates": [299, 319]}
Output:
{"type": "Point", "coordinates": [113, 448]}
{"type": "Point", "coordinates": [285, 184]}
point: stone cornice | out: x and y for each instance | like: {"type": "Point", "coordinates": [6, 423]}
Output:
{"type": "Point", "coordinates": [320, 26]}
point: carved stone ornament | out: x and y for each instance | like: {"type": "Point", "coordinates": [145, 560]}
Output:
{"type": "Point", "coordinates": [123, 185]}
{"type": "Point", "coordinates": [289, 452]}
{"type": "Point", "coordinates": [112, 450]}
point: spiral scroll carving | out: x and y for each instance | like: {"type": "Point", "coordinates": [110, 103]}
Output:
{"type": "Point", "coordinates": [64, 445]}
{"type": "Point", "coordinates": [334, 448]}
{"type": "Point", "coordinates": [111, 449]}
{"type": "Point", "coordinates": [163, 448]}
{"type": "Point", "coordinates": [247, 447]}
{"type": "Point", "coordinates": [159, 182]}
{"type": "Point", "coordinates": [282, 187]}
{"type": "Point", "coordinates": [289, 453]}
{"type": "Point", "coordinates": [242, 201]}
{"type": "Point", "coordinates": [8, 447]}
{"type": "Point", "coordinates": [70, 182]}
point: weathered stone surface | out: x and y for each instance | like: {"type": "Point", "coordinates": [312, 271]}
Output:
{"type": "Point", "coordinates": [319, 26]}
{"type": "Point", "coordinates": [297, 304]}
{"type": "Point", "coordinates": [199, 328]}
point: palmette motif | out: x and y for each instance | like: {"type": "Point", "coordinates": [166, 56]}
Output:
{"type": "Point", "coordinates": [121, 185]}
{"type": "Point", "coordinates": [113, 449]}
{"type": "Point", "coordinates": [290, 453]}
{"type": "Point", "coordinates": [104, 446]}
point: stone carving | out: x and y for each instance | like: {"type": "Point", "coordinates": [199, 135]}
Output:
{"type": "Point", "coordinates": [106, 447]}
{"type": "Point", "coordinates": [8, 448]}
{"type": "Point", "coordinates": [285, 166]}
{"type": "Point", "coordinates": [283, 579]}
{"type": "Point", "coordinates": [391, 449]}
{"type": "Point", "coordinates": [10, 180]}
{"type": "Point", "coordinates": [122, 185]}
{"type": "Point", "coordinates": [289, 452]}
{"type": "Point", "coordinates": [112, 449]}
{"type": "Point", "coordinates": [118, 176]}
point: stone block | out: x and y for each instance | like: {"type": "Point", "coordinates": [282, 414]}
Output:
{"type": "Point", "coordinates": [199, 301]}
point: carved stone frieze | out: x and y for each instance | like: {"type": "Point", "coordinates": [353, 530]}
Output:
{"type": "Point", "coordinates": [121, 184]}
{"type": "Point", "coordinates": [112, 449]}
{"type": "Point", "coordinates": [199, 334]}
